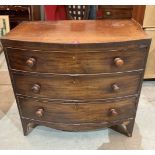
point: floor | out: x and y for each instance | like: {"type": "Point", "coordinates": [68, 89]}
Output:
{"type": "Point", "coordinates": [11, 136]}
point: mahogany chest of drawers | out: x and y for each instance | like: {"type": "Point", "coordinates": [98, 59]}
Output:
{"type": "Point", "coordinates": [77, 75]}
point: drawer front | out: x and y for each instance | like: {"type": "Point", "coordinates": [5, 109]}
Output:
{"type": "Point", "coordinates": [77, 87]}
{"type": "Point", "coordinates": [77, 113]}
{"type": "Point", "coordinates": [115, 12]}
{"type": "Point", "coordinates": [80, 62]}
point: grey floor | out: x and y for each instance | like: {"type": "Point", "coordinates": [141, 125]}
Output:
{"type": "Point", "coordinates": [11, 136]}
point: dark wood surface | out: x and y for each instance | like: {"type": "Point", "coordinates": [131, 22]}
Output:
{"type": "Point", "coordinates": [78, 87]}
{"type": "Point", "coordinates": [77, 32]}
{"type": "Point", "coordinates": [69, 113]}
{"type": "Point", "coordinates": [76, 127]}
{"type": "Point", "coordinates": [77, 61]}
{"type": "Point", "coordinates": [138, 13]}
{"type": "Point", "coordinates": [77, 75]}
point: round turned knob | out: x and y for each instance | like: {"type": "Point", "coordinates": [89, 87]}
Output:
{"type": "Point", "coordinates": [40, 112]}
{"type": "Point", "coordinates": [108, 13]}
{"type": "Point", "coordinates": [113, 112]}
{"type": "Point", "coordinates": [115, 87]}
{"type": "Point", "coordinates": [31, 62]}
{"type": "Point", "coordinates": [74, 82]}
{"type": "Point", "coordinates": [118, 62]}
{"type": "Point", "coordinates": [36, 88]}
{"type": "Point", "coordinates": [73, 57]}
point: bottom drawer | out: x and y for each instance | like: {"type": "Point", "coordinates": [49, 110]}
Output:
{"type": "Point", "coordinates": [91, 112]}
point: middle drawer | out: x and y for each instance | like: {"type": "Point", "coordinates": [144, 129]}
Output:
{"type": "Point", "coordinates": [77, 87]}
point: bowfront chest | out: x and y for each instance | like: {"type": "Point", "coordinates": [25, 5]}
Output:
{"type": "Point", "coordinates": [77, 75]}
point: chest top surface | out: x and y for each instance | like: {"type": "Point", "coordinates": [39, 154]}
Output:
{"type": "Point", "coordinates": [77, 31]}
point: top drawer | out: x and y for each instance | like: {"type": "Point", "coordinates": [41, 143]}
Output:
{"type": "Point", "coordinates": [77, 61]}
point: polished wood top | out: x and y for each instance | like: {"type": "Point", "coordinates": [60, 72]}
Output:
{"type": "Point", "coordinates": [77, 31]}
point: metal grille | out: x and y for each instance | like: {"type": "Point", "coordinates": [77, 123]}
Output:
{"type": "Point", "coordinates": [77, 12]}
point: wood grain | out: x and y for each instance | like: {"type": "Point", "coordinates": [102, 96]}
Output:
{"type": "Point", "coordinates": [77, 61]}
{"type": "Point", "coordinates": [78, 87]}
{"type": "Point", "coordinates": [138, 13]}
{"type": "Point", "coordinates": [72, 82]}
{"type": "Point", "coordinates": [77, 113]}
{"type": "Point", "coordinates": [77, 32]}
{"type": "Point", "coordinates": [76, 127]}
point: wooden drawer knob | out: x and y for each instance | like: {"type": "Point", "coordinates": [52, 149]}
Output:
{"type": "Point", "coordinates": [31, 62]}
{"type": "Point", "coordinates": [40, 112]}
{"type": "Point", "coordinates": [36, 88]}
{"type": "Point", "coordinates": [113, 112]}
{"type": "Point", "coordinates": [118, 62]}
{"type": "Point", "coordinates": [115, 87]}
{"type": "Point", "coordinates": [108, 13]}
{"type": "Point", "coordinates": [74, 58]}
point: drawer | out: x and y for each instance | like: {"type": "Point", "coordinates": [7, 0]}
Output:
{"type": "Point", "coordinates": [93, 112]}
{"type": "Point", "coordinates": [77, 87]}
{"type": "Point", "coordinates": [116, 12]}
{"type": "Point", "coordinates": [78, 62]}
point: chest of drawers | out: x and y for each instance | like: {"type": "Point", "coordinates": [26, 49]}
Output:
{"type": "Point", "coordinates": [77, 75]}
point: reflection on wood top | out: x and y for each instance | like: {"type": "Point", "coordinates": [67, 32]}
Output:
{"type": "Point", "coordinates": [77, 31]}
